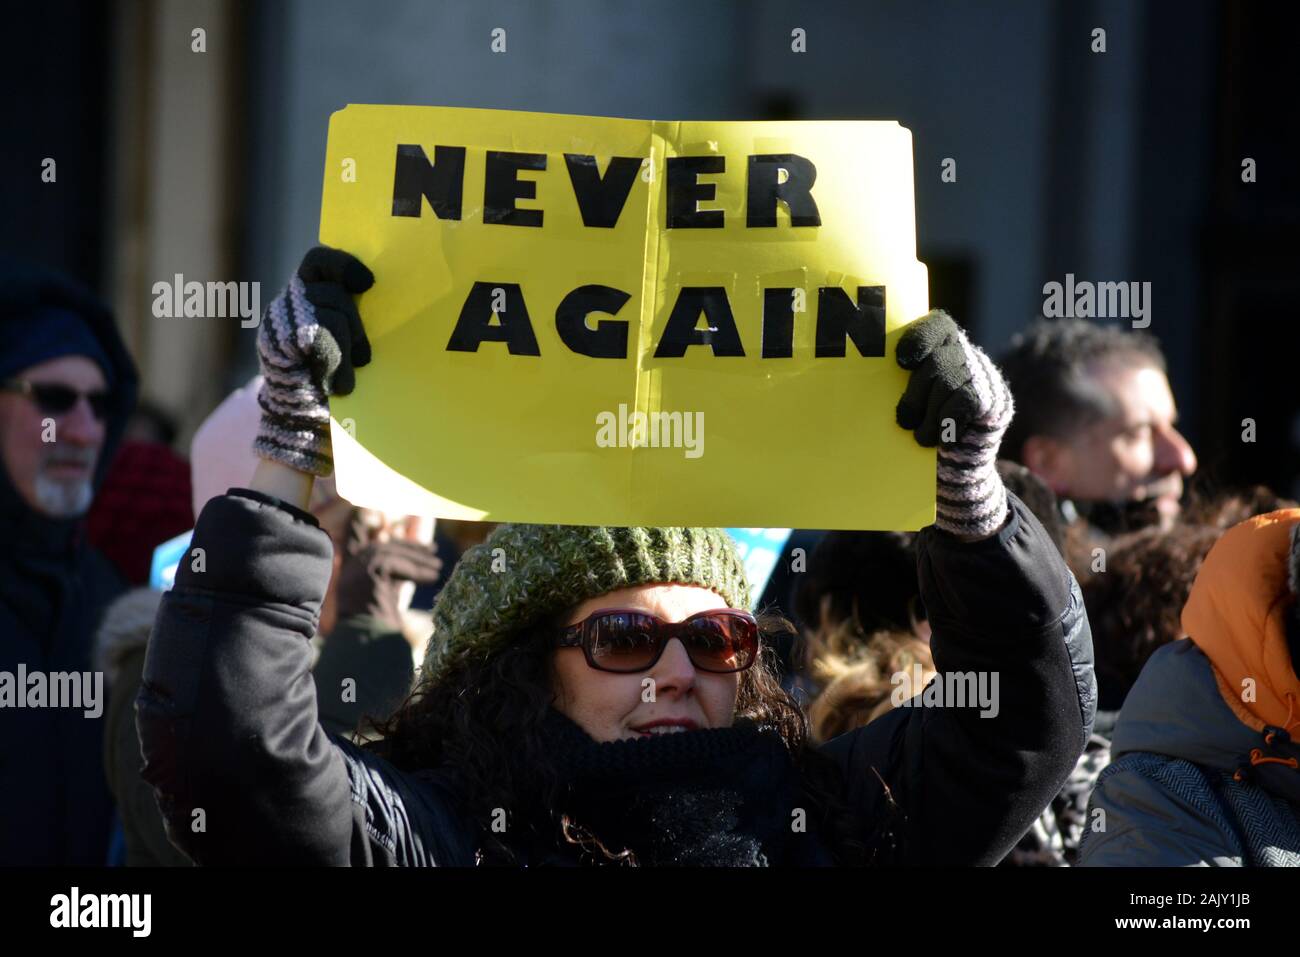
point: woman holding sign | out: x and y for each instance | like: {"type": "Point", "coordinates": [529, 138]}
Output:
{"type": "Point", "coordinates": [595, 694]}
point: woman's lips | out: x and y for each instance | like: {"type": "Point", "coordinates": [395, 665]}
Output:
{"type": "Point", "coordinates": [665, 726]}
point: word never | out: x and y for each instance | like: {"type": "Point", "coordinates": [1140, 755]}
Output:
{"type": "Point", "coordinates": [772, 178]}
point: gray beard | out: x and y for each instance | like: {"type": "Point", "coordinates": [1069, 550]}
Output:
{"type": "Point", "coordinates": [64, 499]}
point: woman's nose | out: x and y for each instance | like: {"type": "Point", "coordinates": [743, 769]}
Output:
{"type": "Point", "coordinates": [673, 672]}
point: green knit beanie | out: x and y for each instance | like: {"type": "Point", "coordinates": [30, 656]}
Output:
{"type": "Point", "coordinates": [522, 574]}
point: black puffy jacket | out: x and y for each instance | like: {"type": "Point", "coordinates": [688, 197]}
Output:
{"type": "Point", "coordinates": [244, 772]}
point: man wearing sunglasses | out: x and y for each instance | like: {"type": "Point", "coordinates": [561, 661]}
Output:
{"type": "Point", "coordinates": [55, 477]}
{"type": "Point", "coordinates": [67, 386]}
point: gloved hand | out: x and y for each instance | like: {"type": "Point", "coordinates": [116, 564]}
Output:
{"type": "Point", "coordinates": [372, 573]}
{"type": "Point", "coordinates": [956, 394]}
{"type": "Point", "coordinates": [310, 341]}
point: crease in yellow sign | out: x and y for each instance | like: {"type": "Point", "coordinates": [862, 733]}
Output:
{"type": "Point", "coordinates": [797, 439]}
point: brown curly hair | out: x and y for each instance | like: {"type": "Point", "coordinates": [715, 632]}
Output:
{"type": "Point", "coordinates": [1226, 509]}
{"type": "Point", "coordinates": [1136, 604]}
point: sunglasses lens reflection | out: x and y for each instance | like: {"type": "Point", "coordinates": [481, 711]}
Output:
{"type": "Point", "coordinates": [719, 642]}
{"type": "Point", "coordinates": [722, 643]}
{"type": "Point", "coordinates": [624, 642]}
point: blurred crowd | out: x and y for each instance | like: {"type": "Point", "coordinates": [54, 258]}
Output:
{"type": "Point", "coordinates": [1189, 591]}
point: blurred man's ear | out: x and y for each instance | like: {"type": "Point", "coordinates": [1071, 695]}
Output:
{"type": "Point", "coordinates": [1050, 460]}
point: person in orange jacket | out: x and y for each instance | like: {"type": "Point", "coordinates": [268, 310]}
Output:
{"type": "Point", "coordinates": [1206, 770]}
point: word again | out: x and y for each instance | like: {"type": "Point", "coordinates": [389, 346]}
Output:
{"type": "Point", "coordinates": [496, 312]}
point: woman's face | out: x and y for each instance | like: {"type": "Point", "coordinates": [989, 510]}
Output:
{"type": "Point", "coordinates": [610, 707]}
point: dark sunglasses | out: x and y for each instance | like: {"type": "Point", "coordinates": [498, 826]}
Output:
{"type": "Point", "coordinates": [54, 399]}
{"type": "Point", "coordinates": [622, 640]}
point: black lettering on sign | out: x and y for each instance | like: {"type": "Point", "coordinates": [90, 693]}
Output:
{"type": "Point", "coordinates": [609, 339]}
{"type": "Point", "coordinates": [601, 199]}
{"type": "Point", "coordinates": [838, 318]}
{"type": "Point", "coordinates": [681, 332]}
{"type": "Point", "coordinates": [502, 186]}
{"type": "Point", "coordinates": [440, 182]}
{"type": "Point", "coordinates": [778, 323]}
{"type": "Point", "coordinates": [475, 323]}
{"type": "Point", "coordinates": [765, 190]}
{"type": "Point", "coordinates": [685, 193]}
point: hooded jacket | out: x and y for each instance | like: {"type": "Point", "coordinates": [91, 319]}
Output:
{"type": "Point", "coordinates": [54, 802]}
{"type": "Point", "coordinates": [229, 721]}
{"type": "Point", "coordinates": [1205, 768]}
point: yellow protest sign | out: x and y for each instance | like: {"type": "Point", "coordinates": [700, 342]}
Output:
{"type": "Point", "coordinates": [587, 320]}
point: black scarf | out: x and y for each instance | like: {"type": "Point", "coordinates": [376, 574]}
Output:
{"type": "Point", "coordinates": [718, 797]}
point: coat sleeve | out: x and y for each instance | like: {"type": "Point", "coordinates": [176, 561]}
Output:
{"type": "Point", "coordinates": [959, 780]}
{"type": "Point", "coordinates": [242, 769]}
{"type": "Point", "coordinates": [1133, 821]}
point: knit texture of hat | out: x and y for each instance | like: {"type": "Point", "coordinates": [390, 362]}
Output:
{"type": "Point", "coordinates": [523, 574]}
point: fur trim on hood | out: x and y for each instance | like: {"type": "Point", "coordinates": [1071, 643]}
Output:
{"type": "Point", "coordinates": [126, 626]}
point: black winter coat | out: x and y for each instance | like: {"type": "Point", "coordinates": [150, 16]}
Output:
{"type": "Point", "coordinates": [228, 717]}
{"type": "Point", "coordinates": [55, 806]}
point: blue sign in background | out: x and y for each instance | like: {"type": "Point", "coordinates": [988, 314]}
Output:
{"type": "Point", "coordinates": [166, 557]}
{"type": "Point", "coordinates": [760, 549]}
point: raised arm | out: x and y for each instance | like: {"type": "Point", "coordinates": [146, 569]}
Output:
{"type": "Point", "coordinates": [227, 713]}
{"type": "Point", "coordinates": [1013, 702]}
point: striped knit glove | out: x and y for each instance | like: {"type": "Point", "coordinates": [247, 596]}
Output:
{"type": "Point", "coordinates": [957, 399]}
{"type": "Point", "coordinates": [309, 343]}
